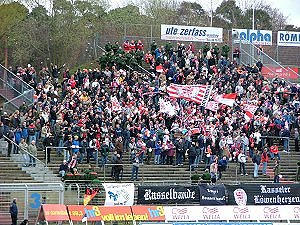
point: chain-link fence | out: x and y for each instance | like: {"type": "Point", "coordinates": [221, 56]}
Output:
{"type": "Point", "coordinates": [14, 90]}
{"type": "Point", "coordinates": [29, 199]}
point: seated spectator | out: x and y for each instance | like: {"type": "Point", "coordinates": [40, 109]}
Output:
{"type": "Point", "coordinates": [274, 152]}
{"type": "Point", "coordinates": [63, 168]}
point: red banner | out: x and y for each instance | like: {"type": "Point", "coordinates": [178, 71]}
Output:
{"type": "Point", "coordinates": [100, 213]}
{"type": "Point", "coordinates": [53, 212]}
{"type": "Point", "coordinates": [284, 73]}
{"type": "Point", "coordinates": [148, 213]}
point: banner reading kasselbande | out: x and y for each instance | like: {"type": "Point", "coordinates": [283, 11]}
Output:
{"type": "Point", "coordinates": [263, 194]}
{"type": "Point", "coordinates": [191, 33]}
{"type": "Point", "coordinates": [168, 194]}
{"type": "Point", "coordinates": [119, 194]}
{"type": "Point", "coordinates": [212, 194]}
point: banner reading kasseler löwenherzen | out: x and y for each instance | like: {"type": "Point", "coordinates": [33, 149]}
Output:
{"type": "Point", "coordinates": [263, 194]}
{"type": "Point", "coordinates": [191, 33]}
{"type": "Point", "coordinates": [172, 194]}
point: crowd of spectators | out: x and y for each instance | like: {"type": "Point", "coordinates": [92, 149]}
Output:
{"type": "Point", "coordinates": [98, 115]}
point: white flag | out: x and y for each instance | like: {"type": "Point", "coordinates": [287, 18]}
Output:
{"type": "Point", "coordinates": [119, 194]}
{"type": "Point", "coordinates": [167, 107]}
{"type": "Point", "coordinates": [212, 105]}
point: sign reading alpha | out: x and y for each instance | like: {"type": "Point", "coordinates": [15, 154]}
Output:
{"type": "Point", "coordinates": [257, 37]}
{"type": "Point", "coordinates": [191, 33]}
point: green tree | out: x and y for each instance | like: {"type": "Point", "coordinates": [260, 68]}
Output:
{"type": "Point", "coordinates": [228, 14]}
{"type": "Point", "coordinates": [191, 13]}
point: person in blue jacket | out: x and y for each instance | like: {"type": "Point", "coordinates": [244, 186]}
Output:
{"type": "Point", "coordinates": [13, 210]}
{"type": "Point", "coordinates": [157, 152]}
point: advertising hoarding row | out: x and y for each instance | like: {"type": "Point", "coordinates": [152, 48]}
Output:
{"type": "Point", "coordinates": [215, 34]}
{"type": "Point", "coordinates": [169, 213]}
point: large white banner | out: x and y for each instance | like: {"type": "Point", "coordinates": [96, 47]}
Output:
{"type": "Point", "coordinates": [241, 213]}
{"type": "Point", "coordinates": [288, 38]}
{"type": "Point", "coordinates": [257, 37]}
{"type": "Point", "coordinates": [119, 194]}
{"type": "Point", "coordinates": [191, 33]}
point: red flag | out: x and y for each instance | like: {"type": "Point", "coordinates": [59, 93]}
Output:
{"type": "Point", "coordinates": [226, 99]}
{"type": "Point", "coordinates": [195, 93]}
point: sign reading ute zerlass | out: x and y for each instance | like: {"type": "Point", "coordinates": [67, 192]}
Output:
{"type": "Point", "coordinates": [191, 33]}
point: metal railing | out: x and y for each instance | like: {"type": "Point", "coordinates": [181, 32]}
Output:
{"type": "Point", "coordinates": [250, 54]}
{"type": "Point", "coordinates": [14, 90]}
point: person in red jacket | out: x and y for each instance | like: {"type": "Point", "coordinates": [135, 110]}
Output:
{"type": "Point", "coordinates": [126, 46]}
{"type": "Point", "coordinates": [132, 46]}
{"type": "Point", "coordinates": [265, 160]}
{"type": "Point", "coordinates": [140, 45]}
{"type": "Point", "coordinates": [274, 152]}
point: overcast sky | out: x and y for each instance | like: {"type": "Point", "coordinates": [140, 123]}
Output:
{"type": "Point", "coordinates": [289, 8]}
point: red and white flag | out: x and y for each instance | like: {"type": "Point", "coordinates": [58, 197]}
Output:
{"type": "Point", "coordinates": [249, 111]}
{"type": "Point", "coordinates": [226, 99]}
{"type": "Point", "coordinates": [195, 93]}
{"type": "Point", "coordinates": [212, 105]}
{"type": "Point", "coordinates": [115, 104]}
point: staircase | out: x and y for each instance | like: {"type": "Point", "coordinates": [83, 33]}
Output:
{"type": "Point", "coordinates": [168, 174]}
{"type": "Point", "coordinates": [147, 173]}
{"type": "Point", "coordinates": [14, 165]}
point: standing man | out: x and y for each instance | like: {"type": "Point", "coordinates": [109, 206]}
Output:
{"type": "Point", "coordinates": [296, 138]}
{"type": "Point", "coordinates": [242, 158]}
{"type": "Point", "coordinates": [33, 153]}
{"type": "Point", "coordinates": [256, 159]}
{"type": "Point", "coordinates": [276, 170]}
{"type": "Point", "coordinates": [13, 210]}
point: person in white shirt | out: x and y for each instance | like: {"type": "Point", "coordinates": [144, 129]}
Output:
{"type": "Point", "coordinates": [242, 159]}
